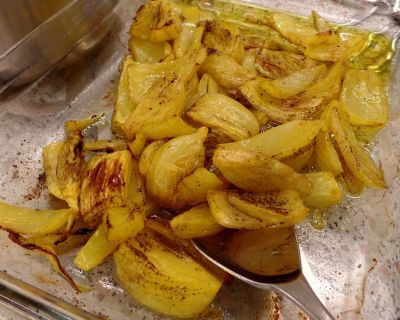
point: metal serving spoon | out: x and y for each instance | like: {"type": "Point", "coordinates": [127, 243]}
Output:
{"type": "Point", "coordinates": [268, 259]}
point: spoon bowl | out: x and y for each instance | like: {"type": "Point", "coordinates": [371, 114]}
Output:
{"type": "Point", "coordinates": [268, 259]}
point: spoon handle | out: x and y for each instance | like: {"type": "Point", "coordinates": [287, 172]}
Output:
{"type": "Point", "coordinates": [301, 293]}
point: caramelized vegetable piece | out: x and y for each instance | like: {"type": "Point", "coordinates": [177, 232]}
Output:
{"type": "Point", "coordinates": [147, 156]}
{"type": "Point", "coordinates": [138, 144]}
{"type": "Point", "coordinates": [106, 182]}
{"type": "Point", "coordinates": [123, 104]}
{"type": "Point", "coordinates": [170, 128]}
{"type": "Point", "coordinates": [280, 64]}
{"type": "Point", "coordinates": [142, 76]}
{"type": "Point", "coordinates": [206, 85]}
{"type": "Point", "coordinates": [225, 70]}
{"type": "Point", "coordinates": [293, 84]}
{"type": "Point", "coordinates": [295, 29]}
{"type": "Point", "coordinates": [326, 156]}
{"type": "Point", "coordinates": [163, 277]}
{"type": "Point", "coordinates": [319, 189]}
{"type": "Point", "coordinates": [275, 42]}
{"type": "Point", "coordinates": [300, 159]}
{"type": "Point", "coordinates": [224, 37]}
{"type": "Point", "coordinates": [329, 47]}
{"type": "Point", "coordinates": [124, 223]}
{"type": "Point", "coordinates": [182, 43]}
{"type": "Point", "coordinates": [193, 189]}
{"type": "Point", "coordinates": [148, 51]}
{"type": "Point", "coordinates": [96, 251]}
{"type": "Point", "coordinates": [33, 222]}
{"type": "Point", "coordinates": [165, 99]}
{"type": "Point", "coordinates": [351, 185]}
{"type": "Point", "coordinates": [320, 24]}
{"type": "Point", "coordinates": [256, 172]}
{"type": "Point", "coordinates": [364, 99]}
{"type": "Point", "coordinates": [156, 21]}
{"type": "Point", "coordinates": [357, 160]}
{"type": "Point", "coordinates": [282, 141]}
{"type": "Point", "coordinates": [278, 209]}
{"type": "Point", "coordinates": [225, 114]}
{"type": "Point", "coordinates": [172, 162]}
{"type": "Point", "coordinates": [195, 223]}
{"type": "Point", "coordinates": [63, 162]}
{"type": "Point", "coordinates": [329, 87]}
{"type": "Point", "coordinates": [48, 251]}
{"type": "Point", "coordinates": [268, 251]}
{"type": "Point", "coordinates": [228, 216]}
{"type": "Point", "coordinates": [274, 108]}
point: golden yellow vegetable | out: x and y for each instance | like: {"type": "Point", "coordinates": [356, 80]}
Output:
{"type": "Point", "coordinates": [256, 172]}
{"type": "Point", "coordinates": [31, 221]}
{"type": "Point", "coordinates": [228, 216]}
{"type": "Point", "coordinates": [319, 189]}
{"type": "Point", "coordinates": [123, 104]}
{"type": "Point", "coordinates": [169, 128]}
{"type": "Point", "coordinates": [63, 162]}
{"type": "Point", "coordinates": [261, 251]}
{"type": "Point", "coordinates": [142, 76]}
{"type": "Point", "coordinates": [161, 276]}
{"type": "Point", "coordinates": [157, 21]}
{"type": "Point", "coordinates": [278, 209]}
{"type": "Point", "coordinates": [172, 162]}
{"type": "Point", "coordinates": [182, 43]}
{"type": "Point", "coordinates": [280, 64]}
{"type": "Point", "coordinates": [195, 223]}
{"type": "Point", "coordinates": [351, 185]}
{"type": "Point", "coordinates": [138, 144]}
{"type": "Point", "coordinates": [322, 48]}
{"type": "Point", "coordinates": [224, 37]}
{"type": "Point", "coordinates": [48, 251]}
{"type": "Point", "coordinates": [206, 85]}
{"type": "Point", "coordinates": [147, 155]}
{"type": "Point", "coordinates": [249, 58]}
{"type": "Point", "coordinates": [275, 108]}
{"type": "Point", "coordinates": [193, 189]}
{"type": "Point", "coordinates": [281, 141]}
{"type": "Point", "coordinates": [295, 29]}
{"type": "Point", "coordinates": [320, 24]}
{"type": "Point", "coordinates": [104, 145]}
{"type": "Point", "coordinates": [226, 115]}
{"type": "Point", "coordinates": [52, 241]}
{"type": "Point", "coordinates": [165, 99]}
{"type": "Point", "coordinates": [225, 70]}
{"type": "Point", "coordinates": [292, 84]}
{"type": "Point", "coordinates": [326, 156]}
{"type": "Point", "coordinates": [123, 223]}
{"type": "Point", "coordinates": [301, 158]}
{"type": "Point", "coordinates": [261, 116]}
{"type": "Point", "coordinates": [364, 99]}
{"type": "Point", "coordinates": [148, 51]}
{"type": "Point", "coordinates": [275, 42]}
{"type": "Point", "coordinates": [357, 160]}
{"type": "Point", "coordinates": [96, 251]}
{"type": "Point", "coordinates": [329, 87]}
{"type": "Point", "coordinates": [105, 184]}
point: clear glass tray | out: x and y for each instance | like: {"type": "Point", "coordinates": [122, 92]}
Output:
{"type": "Point", "coordinates": [353, 264]}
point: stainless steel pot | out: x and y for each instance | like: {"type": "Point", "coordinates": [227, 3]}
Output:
{"type": "Point", "coordinates": [36, 34]}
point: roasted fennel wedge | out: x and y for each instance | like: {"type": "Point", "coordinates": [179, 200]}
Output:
{"type": "Point", "coordinates": [160, 275]}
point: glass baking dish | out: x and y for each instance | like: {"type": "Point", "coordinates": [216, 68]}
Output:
{"type": "Point", "coordinates": [354, 263]}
